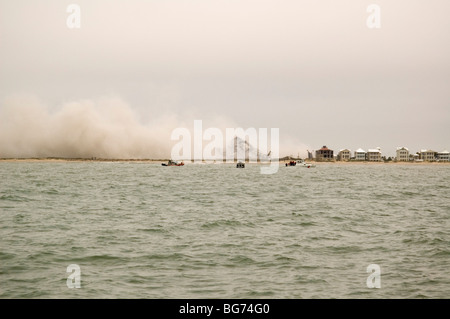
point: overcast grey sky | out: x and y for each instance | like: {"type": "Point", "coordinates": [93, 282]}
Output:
{"type": "Point", "coordinates": [313, 69]}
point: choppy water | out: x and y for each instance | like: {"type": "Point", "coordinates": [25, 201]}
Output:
{"type": "Point", "coordinates": [140, 230]}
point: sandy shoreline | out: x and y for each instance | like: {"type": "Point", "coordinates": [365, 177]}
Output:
{"type": "Point", "coordinates": [382, 163]}
{"type": "Point", "coordinates": [89, 160]}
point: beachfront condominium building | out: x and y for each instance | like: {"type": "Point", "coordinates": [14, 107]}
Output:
{"type": "Point", "coordinates": [443, 156]}
{"type": "Point", "coordinates": [374, 155]}
{"type": "Point", "coordinates": [360, 154]}
{"type": "Point", "coordinates": [428, 155]}
{"type": "Point", "coordinates": [344, 155]}
{"type": "Point", "coordinates": [402, 154]}
{"type": "Point", "coordinates": [324, 154]}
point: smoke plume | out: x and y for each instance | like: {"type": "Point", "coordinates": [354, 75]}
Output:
{"type": "Point", "coordinates": [103, 128]}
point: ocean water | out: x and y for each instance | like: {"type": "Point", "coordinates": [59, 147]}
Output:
{"type": "Point", "coordinates": [140, 230]}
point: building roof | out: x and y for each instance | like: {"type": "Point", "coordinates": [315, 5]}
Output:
{"type": "Point", "coordinates": [345, 149]}
{"type": "Point", "coordinates": [373, 150]}
{"type": "Point", "coordinates": [324, 148]}
{"type": "Point", "coordinates": [360, 150]}
{"type": "Point", "coordinates": [444, 152]}
{"type": "Point", "coordinates": [402, 148]}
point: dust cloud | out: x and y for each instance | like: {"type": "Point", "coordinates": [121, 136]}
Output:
{"type": "Point", "coordinates": [103, 128]}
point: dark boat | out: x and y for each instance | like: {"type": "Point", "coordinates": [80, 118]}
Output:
{"type": "Point", "coordinates": [240, 165]}
{"type": "Point", "coordinates": [173, 163]}
{"type": "Point", "coordinates": [291, 163]}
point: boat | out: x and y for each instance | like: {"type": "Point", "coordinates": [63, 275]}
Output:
{"type": "Point", "coordinates": [302, 163]}
{"type": "Point", "coordinates": [172, 163]}
{"type": "Point", "coordinates": [240, 165]}
{"type": "Point", "coordinates": [291, 163]}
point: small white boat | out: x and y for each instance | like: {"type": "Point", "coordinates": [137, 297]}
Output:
{"type": "Point", "coordinates": [302, 163]}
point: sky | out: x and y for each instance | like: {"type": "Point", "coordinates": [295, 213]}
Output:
{"type": "Point", "coordinates": [135, 70]}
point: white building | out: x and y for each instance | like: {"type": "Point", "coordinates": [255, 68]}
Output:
{"type": "Point", "coordinates": [428, 155]}
{"type": "Point", "coordinates": [402, 154]}
{"type": "Point", "coordinates": [360, 154]}
{"type": "Point", "coordinates": [374, 155]}
{"type": "Point", "coordinates": [344, 155]}
{"type": "Point", "coordinates": [443, 156]}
